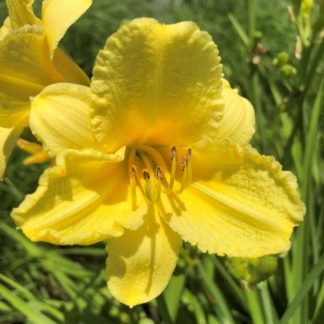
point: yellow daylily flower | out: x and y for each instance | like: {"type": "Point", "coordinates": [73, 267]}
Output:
{"type": "Point", "coordinates": [153, 153]}
{"type": "Point", "coordinates": [31, 60]}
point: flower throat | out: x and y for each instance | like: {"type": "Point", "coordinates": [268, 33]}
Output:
{"type": "Point", "coordinates": [153, 174]}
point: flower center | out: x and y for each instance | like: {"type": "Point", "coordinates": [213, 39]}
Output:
{"type": "Point", "coordinates": [152, 174]}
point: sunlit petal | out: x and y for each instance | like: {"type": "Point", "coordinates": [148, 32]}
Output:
{"type": "Point", "coordinates": [152, 76]}
{"type": "Point", "coordinates": [58, 16]}
{"type": "Point", "coordinates": [68, 70]}
{"type": "Point", "coordinates": [77, 201]}
{"type": "Point", "coordinates": [24, 63]}
{"type": "Point", "coordinates": [140, 263]}
{"type": "Point", "coordinates": [245, 205]}
{"type": "Point", "coordinates": [238, 122]}
{"type": "Point", "coordinates": [60, 118]}
{"type": "Point", "coordinates": [8, 139]}
{"type": "Point", "coordinates": [5, 28]}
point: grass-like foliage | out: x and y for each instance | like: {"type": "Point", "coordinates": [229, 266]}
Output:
{"type": "Point", "coordinates": [273, 54]}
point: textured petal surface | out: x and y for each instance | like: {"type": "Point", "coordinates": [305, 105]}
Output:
{"type": "Point", "coordinates": [160, 82]}
{"type": "Point", "coordinates": [58, 16]}
{"type": "Point", "coordinates": [60, 118]}
{"type": "Point", "coordinates": [243, 204]}
{"type": "Point", "coordinates": [8, 139]}
{"type": "Point", "coordinates": [238, 122]}
{"type": "Point", "coordinates": [25, 67]}
{"type": "Point", "coordinates": [140, 263]}
{"type": "Point", "coordinates": [21, 13]}
{"type": "Point", "coordinates": [77, 201]}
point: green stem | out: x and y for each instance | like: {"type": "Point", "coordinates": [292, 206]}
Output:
{"type": "Point", "coordinates": [255, 308]}
{"type": "Point", "coordinates": [252, 20]}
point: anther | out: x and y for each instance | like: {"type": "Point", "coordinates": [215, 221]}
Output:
{"type": "Point", "coordinates": [173, 168]}
{"type": "Point", "coordinates": [189, 154]}
{"type": "Point", "coordinates": [187, 171]}
{"type": "Point", "coordinates": [134, 171]}
{"type": "Point", "coordinates": [146, 175]}
{"type": "Point", "coordinates": [173, 153]}
{"type": "Point", "coordinates": [159, 177]}
{"type": "Point", "coordinates": [185, 164]}
{"type": "Point", "coordinates": [158, 173]}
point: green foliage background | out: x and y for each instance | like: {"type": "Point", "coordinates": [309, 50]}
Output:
{"type": "Point", "coordinates": [40, 283]}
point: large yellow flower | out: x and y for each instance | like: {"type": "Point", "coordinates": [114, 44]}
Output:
{"type": "Point", "coordinates": [30, 60]}
{"type": "Point", "coordinates": [153, 153]}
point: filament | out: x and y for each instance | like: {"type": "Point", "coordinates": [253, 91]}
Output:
{"type": "Point", "coordinates": [151, 178]}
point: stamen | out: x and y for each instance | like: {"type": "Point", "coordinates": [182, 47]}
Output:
{"type": "Point", "coordinates": [189, 167]}
{"type": "Point", "coordinates": [155, 154]}
{"type": "Point", "coordinates": [133, 180]}
{"type": "Point", "coordinates": [173, 167]}
{"type": "Point", "coordinates": [146, 174]}
{"type": "Point", "coordinates": [134, 171]}
{"type": "Point", "coordinates": [187, 172]}
{"type": "Point", "coordinates": [189, 154]}
{"type": "Point", "coordinates": [158, 173]}
{"type": "Point", "coordinates": [38, 154]}
{"type": "Point", "coordinates": [159, 177]}
{"type": "Point", "coordinates": [133, 175]}
{"type": "Point", "coordinates": [153, 166]}
{"type": "Point", "coordinates": [173, 153]}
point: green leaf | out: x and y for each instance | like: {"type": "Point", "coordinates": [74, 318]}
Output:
{"type": "Point", "coordinates": [303, 291]}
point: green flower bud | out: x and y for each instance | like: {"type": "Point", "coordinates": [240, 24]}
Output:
{"type": "Point", "coordinates": [288, 70]}
{"type": "Point", "coordinates": [252, 271]}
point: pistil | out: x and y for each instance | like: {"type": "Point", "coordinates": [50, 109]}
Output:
{"type": "Point", "coordinates": [173, 167]}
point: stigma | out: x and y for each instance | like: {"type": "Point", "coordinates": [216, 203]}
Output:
{"type": "Point", "coordinates": [152, 172]}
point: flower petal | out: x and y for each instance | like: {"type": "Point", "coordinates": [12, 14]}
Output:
{"type": "Point", "coordinates": [5, 28]}
{"type": "Point", "coordinates": [77, 201]}
{"type": "Point", "coordinates": [25, 67]}
{"type": "Point", "coordinates": [58, 16]}
{"type": "Point", "coordinates": [245, 206]}
{"type": "Point", "coordinates": [238, 122]}
{"type": "Point", "coordinates": [8, 139]}
{"type": "Point", "coordinates": [68, 70]}
{"type": "Point", "coordinates": [165, 80]}
{"type": "Point", "coordinates": [140, 263]}
{"type": "Point", "coordinates": [12, 110]}
{"type": "Point", "coordinates": [60, 118]}
{"type": "Point", "coordinates": [21, 13]}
